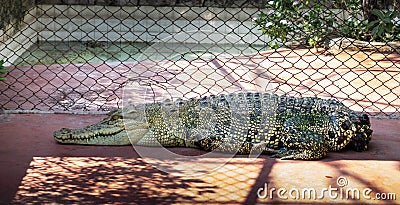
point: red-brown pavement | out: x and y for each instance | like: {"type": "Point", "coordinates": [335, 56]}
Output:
{"type": "Point", "coordinates": [35, 169]}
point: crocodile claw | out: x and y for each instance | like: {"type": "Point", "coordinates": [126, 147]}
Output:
{"type": "Point", "coordinates": [282, 153]}
{"type": "Point", "coordinates": [304, 154]}
{"type": "Point", "coordinates": [274, 156]}
{"type": "Point", "coordinates": [288, 157]}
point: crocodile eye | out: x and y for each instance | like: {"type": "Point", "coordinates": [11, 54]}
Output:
{"type": "Point", "coordinates": [365, 120]}
{"type": "Point", "coordinates": [331, 134]}
{"type": "Point", "coordinates": [346, 125]}
{"type": "Point", "coordinates": [65, 130]}
{"type": "Point", "coordinates": [116, 117]}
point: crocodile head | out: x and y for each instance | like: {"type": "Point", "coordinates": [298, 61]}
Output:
{"type": "Point", "coordinates": [115, 129]}
{"type": "Point", "coordinates": [356, 132]}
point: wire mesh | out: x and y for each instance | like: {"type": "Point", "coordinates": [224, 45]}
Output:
{"type": "Point", "coordinates": [80, 55]}
{"type": "Point", "coordinates": [86, 55]}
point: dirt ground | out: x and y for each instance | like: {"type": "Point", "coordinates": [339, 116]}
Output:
{"type": "Point", "coordinates": [35, 169]}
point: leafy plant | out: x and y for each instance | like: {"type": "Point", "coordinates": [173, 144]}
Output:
{"type": "Point", "coordinates": [311, 22]}
{"type": "Point", "coordinates": [384, 28]}
{"type": "Point", "coordinates": [317, 24]}
{"type": "Point", "coordinates": [295, 21]}
{"type": "Point", "coordinates": [355, 28]}
{"type": "Point", "coordinates": [278, 23]}
{"type": "Point", "coordinates": [2, 71]}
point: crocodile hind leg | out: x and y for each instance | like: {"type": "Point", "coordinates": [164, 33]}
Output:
{"type": "Point", "coordinates": [228, 145]}
{"type": "Point", "coordinates": [299, 154]}
{"type": "Point", "coordinates": [303, 137]}
{"type": "Point", "coordinates": [304, 154]}
{"type": "Point", "coordinates": [305, 145]}
{"type": "Point", "coordinates": [262, 148]}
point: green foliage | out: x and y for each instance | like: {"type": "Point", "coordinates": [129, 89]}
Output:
{"type": "Point", "coordinates": [2, 71]}
{"type": "Point", "coordinates": [311, 23]}
{"type": "Point", "coordinates": [275, 23]}
{"type": "Point", "coordinates": [295, 21]}
{"type": "Point", "coordinates": [385, 28]}
{"type": "Point", "coordinates": [355, 28]}
{"type": "Point", "coordinates": [317, 25]}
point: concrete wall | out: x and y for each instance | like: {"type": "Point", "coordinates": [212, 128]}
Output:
{"type": "Point", "coordinates": [145, 23]}
{"type": "Point", "coordinates": [197, 3]}
{"type": "Point", "coordinates": [133, 23]}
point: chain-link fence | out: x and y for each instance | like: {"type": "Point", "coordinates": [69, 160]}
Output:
{"type": "Point", "coordinates": [81, 55]}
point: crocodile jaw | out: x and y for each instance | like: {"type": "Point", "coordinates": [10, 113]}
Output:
{"type": "Point", "coordinates": [120, 127]}
{"type": "Point", "coordinates": [109, 131]}
{"type": "Point", "coordinates": [96, 134]}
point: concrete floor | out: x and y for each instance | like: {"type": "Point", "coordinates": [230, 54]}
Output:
{"type": "Point", "coordinates": [35, 169]}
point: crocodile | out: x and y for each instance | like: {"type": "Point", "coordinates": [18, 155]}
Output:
{"type": "Point", "coordinates": [286, 127]}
